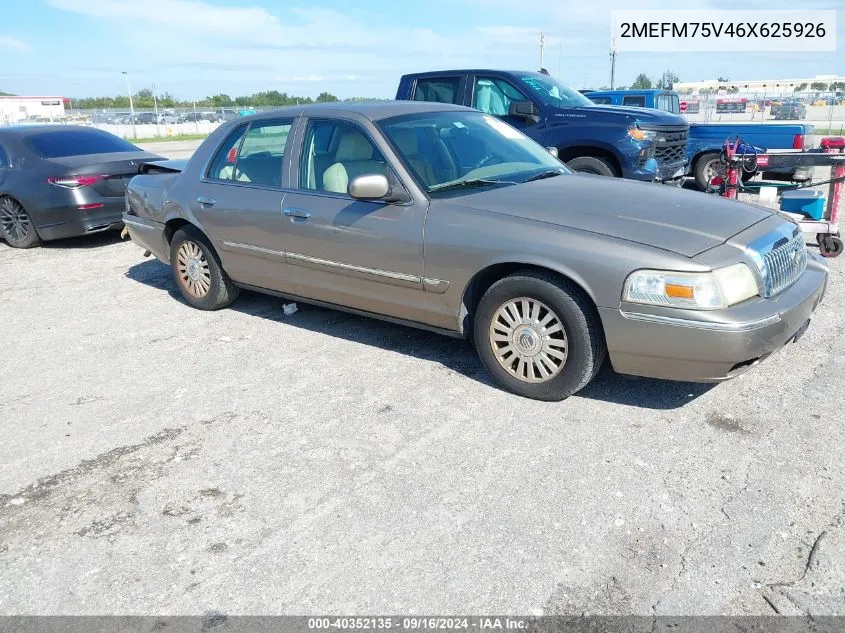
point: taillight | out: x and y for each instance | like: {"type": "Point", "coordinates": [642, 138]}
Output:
{"type": "Point", "coordinates": [798, 141]}
{"type": "Point", "coordinates": [74, 182]}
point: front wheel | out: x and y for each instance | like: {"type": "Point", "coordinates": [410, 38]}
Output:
{"type": "Point", "coordinates": [539, 336]}
{"type": "Point", "coordinates": [198, 273]}
{"type": "Point", "coordinates": [591, 165]}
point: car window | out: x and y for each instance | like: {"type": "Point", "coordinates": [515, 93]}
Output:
{"type": "Point", "coordinates": [600, 100]}
{"type": "Point", "coordinates": [76, 142]}
{"type": "Point", "coordinates": [638, 101]}
{"type": "Point", "coordinates": [494, 96]}
{"type": "Point", "coordinates": [439, 89]}
{"type": "Point", "coordinates": [333, 153]}
{"type": "Point", "coordinates": [441, 148]}
{"type": "Point", "coordinates": [222, 167]}
{"type": "Point", "coordinates": [259, 160]}
{"type": "Point", "coordinates": [4, 157]}
{"type": "Point", "coordinates": [669, 103]}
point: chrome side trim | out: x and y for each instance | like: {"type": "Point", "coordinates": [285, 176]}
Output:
{"type": "Point", "coordinates": [743, 326]}
{"type": "Point", "coordinates": [250, 247]}
{"type": "Point", "coordinates": [139, 225]}
{"type": "Point", "coordinates": [298, 257]}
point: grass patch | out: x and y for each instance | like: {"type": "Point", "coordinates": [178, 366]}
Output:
{"type": "Point", "coordinates": [165, 139]}
{"type": "Point", "coordinates": [834, 131]}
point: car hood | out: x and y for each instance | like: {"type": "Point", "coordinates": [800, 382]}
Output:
{"type": "Point", "coordinates": [665, 217]}
{"type": "Point", "coordinates": [644, 115]}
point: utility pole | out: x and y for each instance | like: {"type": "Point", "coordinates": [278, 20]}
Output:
{"type": "Point", "coordinates": [155, 107]}
{"type": "Point", "coordinates": [542, 46]}
{"type": "Point", "coordinates": [612, 62]}
{"type": "Point", "coordinates": [131, 105]}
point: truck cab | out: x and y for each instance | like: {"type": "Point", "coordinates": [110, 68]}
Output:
{"type": "Point", "coordinates": [656, 99]}
{"type": "Point", "coordinates": [636, 143]}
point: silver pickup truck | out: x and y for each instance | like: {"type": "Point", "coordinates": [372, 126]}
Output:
{"type": "Point", "coordinates": [446, 218]}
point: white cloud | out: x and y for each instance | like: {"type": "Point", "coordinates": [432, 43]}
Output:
{"type": "Point", "coordinates": [15, 44]}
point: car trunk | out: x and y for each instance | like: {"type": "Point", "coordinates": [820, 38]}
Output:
{"type": "Point", "coordinates": [115, 168]}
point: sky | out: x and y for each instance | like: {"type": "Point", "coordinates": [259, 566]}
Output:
{"type": "Point", "coordinates": [194, 48]}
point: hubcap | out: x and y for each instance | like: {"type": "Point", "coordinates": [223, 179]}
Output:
{"type": "Point", "coordinates": [14, 221]}
{"type": "Point", "coordinates": [528, 340]}
{"type": "Point", "coordinates": [192, 267]}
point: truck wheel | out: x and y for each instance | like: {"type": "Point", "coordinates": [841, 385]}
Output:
{"type": "Point", "coordinates": [539, 336]}
{"type": "Point", "coordinates": [706, 168]}
{"type": "Point", "coordinates": [591, 165]}
{"type": "Point", "coordinates": [198, 273]}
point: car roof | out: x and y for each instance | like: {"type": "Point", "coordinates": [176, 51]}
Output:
{"type": "Point", "coordinates": [373, 111]}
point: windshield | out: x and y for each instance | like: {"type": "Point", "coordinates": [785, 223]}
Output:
{"type": "Point", "coordinates": [552, 92]}
{"type": "Point", "coordinates": [455, 147]}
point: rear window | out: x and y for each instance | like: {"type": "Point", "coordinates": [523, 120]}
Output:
{"type": "Point", "coordinates": [638, 101]}
{"type": "Point", "coordinates": [59, 143]}
{"type": "Point", "coordinates": [439, 90]}
{"type": "Point", "coordinates": [600, 100]}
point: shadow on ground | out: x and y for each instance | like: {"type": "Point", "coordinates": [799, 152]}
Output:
{"type": "Point", "coordinates": [456, 355]}
{"type": "Point", "coordinates": [95, 240]}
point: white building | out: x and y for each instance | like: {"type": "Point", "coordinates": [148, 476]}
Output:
{"type": "Point", "coordinates": [17, 109]}
{"type": "Point", "coordinates": [760, 86]}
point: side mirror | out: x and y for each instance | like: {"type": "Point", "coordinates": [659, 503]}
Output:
{"type": "Point", "coordinates": [369, 187]}
{"type": "Point", "coordinates": [553, 151]}
{"type": "Point", "coordinates": [524, 109]}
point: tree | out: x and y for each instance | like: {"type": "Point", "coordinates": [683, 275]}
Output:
{"type": "Point", "coordinates": [642, 82]}
{"type": "Point", "coordinates": [836, 86]}
{"type": "Point", "coordinates": [800, 87]}
{"type": "Point", "coordinates": [820, 86]}
{"type": "Point", "coordinates": [722, 80]}
{"type": "Point", "coordinates": [220, 100]}
{"type": "Point", "coordinates": [667, 80]}
{"type": "Point", "coordinates": [733, 90]}
{"type": "Point", "coordinates": [326, 97]}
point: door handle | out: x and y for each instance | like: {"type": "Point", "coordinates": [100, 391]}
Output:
{"type": "Point", "coordinates": [296, 213]}
{"type": "Point", "coordinates": [206, 201]}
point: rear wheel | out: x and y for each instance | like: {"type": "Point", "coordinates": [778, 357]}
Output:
{"type": "Point", "coordinates": [539, 336]}
{"type": "Point", "coordinates": [16, 226]}
{"type": "Point", "coordinates": [829, 245]}
{"type": "Point", "coordinates": [591, 165]}
{"type": "Point", "coordinates": [198, 273]}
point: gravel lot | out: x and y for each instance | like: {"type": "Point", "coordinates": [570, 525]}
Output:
{"type": "Point", "coordinates": [158, 459]}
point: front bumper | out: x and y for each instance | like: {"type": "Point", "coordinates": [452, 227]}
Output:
{"type": "Point", "coordinates": [62, 222]}
{"type": "Point", "coordinates": [148, 235]}
{"type": "Point", "coordinates": [658, 344]}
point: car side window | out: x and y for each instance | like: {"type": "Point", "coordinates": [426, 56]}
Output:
{"type": "Point", "coordinates": [439, 90]}
{"type": "Point", "coordinates": [494, 96]}
{"type": "Point", "coordinates": [335, 152]}
{"type": "Point", "coordinates": [222, 166]}
{"type": "Point", "coordinates": [4, 157]}
{"type": "Point", "coordinates": [638, 101]}
{"type": "Point", "coordinates": [259, 160]}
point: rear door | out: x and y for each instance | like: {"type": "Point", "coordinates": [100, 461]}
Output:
{"type": "Point", "coordinates": [239, 202]}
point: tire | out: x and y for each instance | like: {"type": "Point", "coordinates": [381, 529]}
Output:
{"type": "Point", "coordinates": [591, 165]}
{"type": "Point", "coordinates": [16, 226]}
{"type": "Point", "coordinates": [580, 340]}
{"type": "Point", "coordinates": [198, 273]}
{"type": "Point", "coordinates": [830, 246]}
{"type": "Point", "coordinates": [703, 169]}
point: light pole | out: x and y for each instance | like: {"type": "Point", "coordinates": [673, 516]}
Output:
{"type": "Point", "coordinates": [155, 107]}
{"type": "Point", "coordinates": [131, 105]}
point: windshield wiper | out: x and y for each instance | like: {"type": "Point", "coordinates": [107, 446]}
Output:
{"type": "Point", "coordinates": [472, 182]}
{"type": "Point", "coordinates": [543, 174]}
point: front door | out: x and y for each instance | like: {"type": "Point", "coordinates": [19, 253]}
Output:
{"type": "Point", "coordinates": [239, 203]}
{"type": "Point", "coordinates": [366, 255]}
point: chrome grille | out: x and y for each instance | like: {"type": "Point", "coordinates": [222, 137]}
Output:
{"type": "Point", "coordinates": [783, 265]}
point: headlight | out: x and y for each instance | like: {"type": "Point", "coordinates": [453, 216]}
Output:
{"type": "Point", "coordinates": [641, 135]}
{"type": "Point", "coordinates": [701, 291]}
